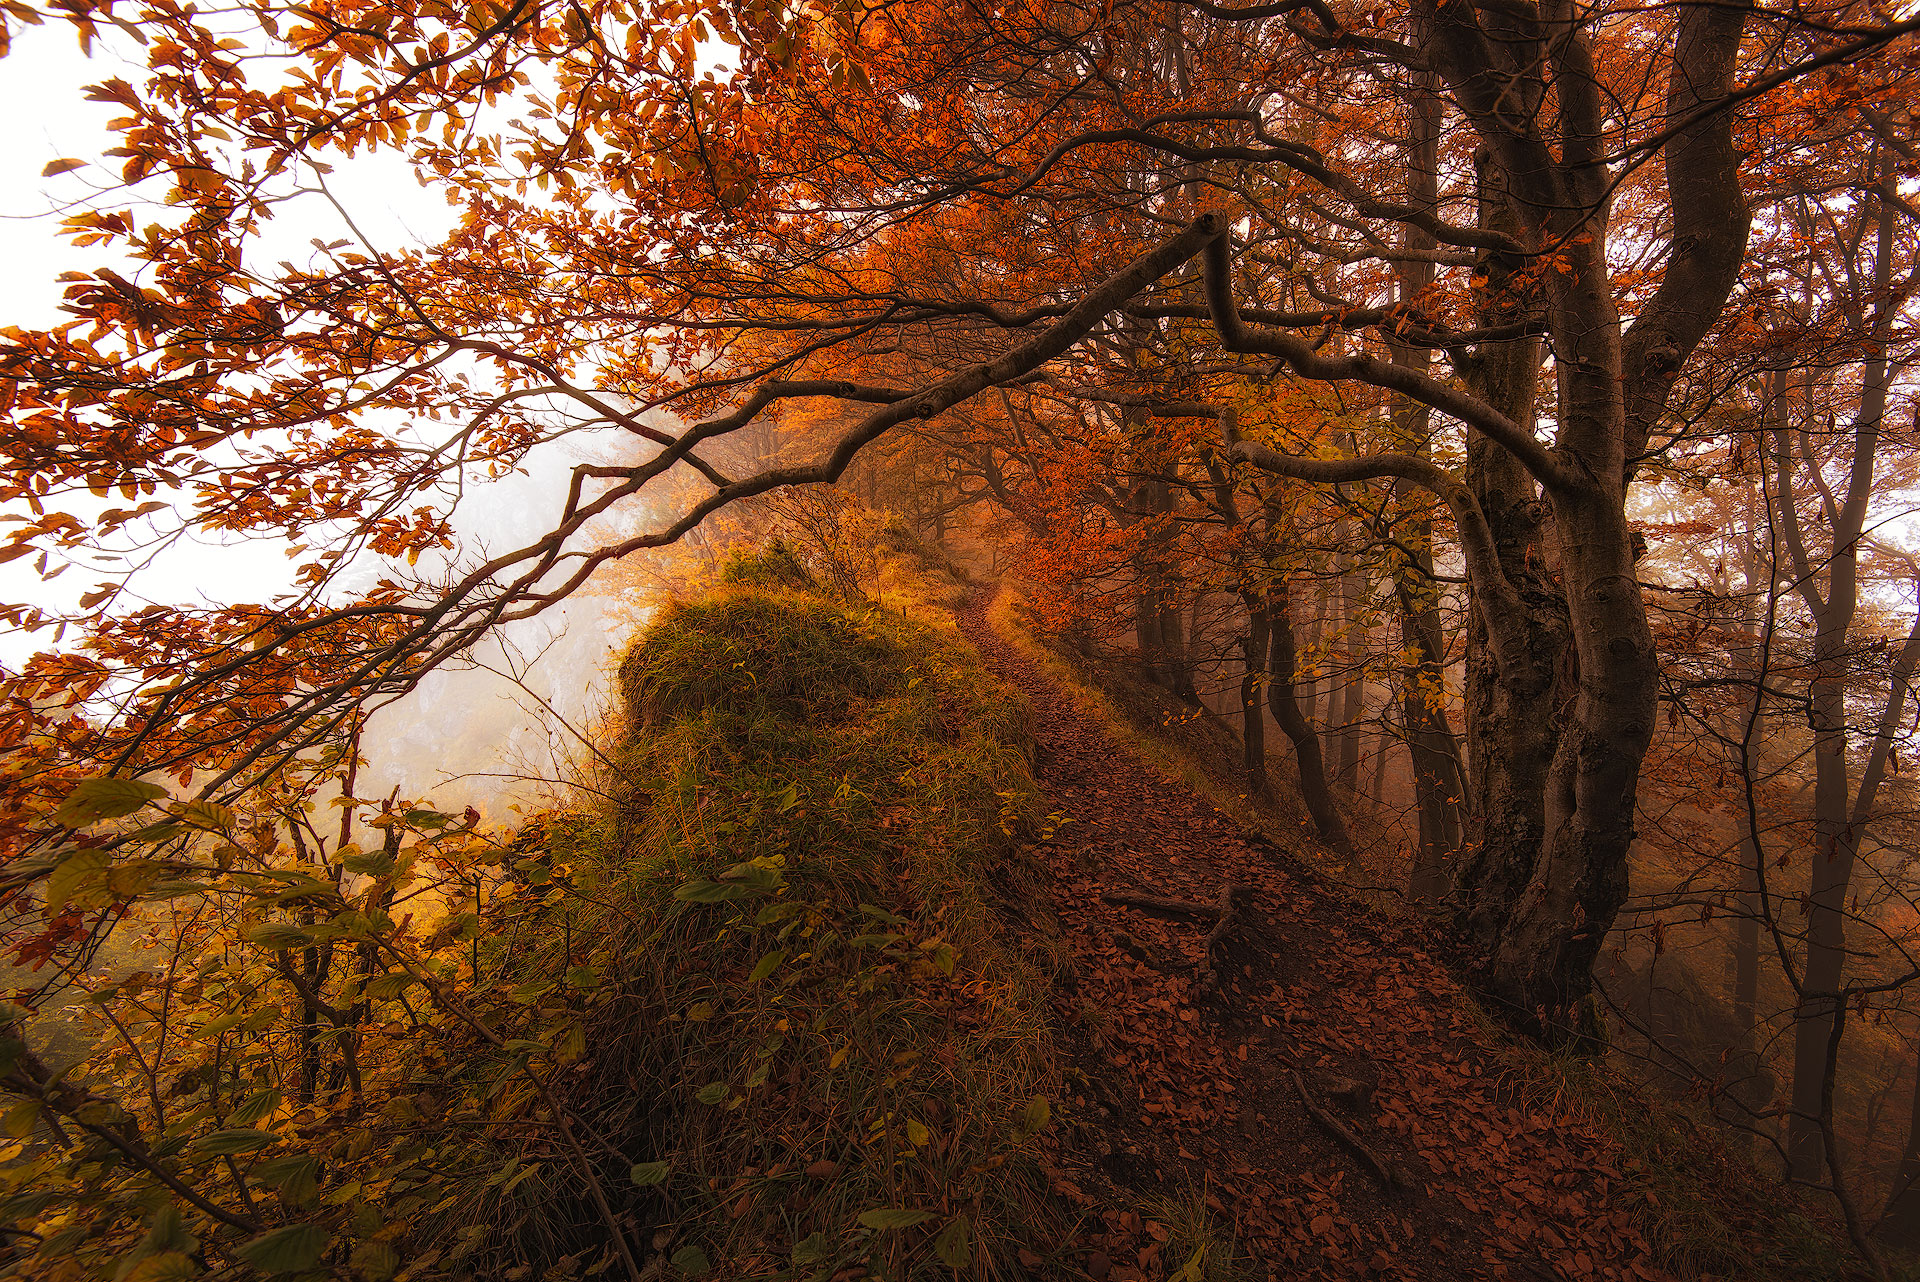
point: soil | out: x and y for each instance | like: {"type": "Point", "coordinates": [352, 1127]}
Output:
{"type": "Point", "coordinates": [1414, 1153]}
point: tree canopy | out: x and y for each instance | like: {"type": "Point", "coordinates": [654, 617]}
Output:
{"type": "Point", "coordinates": [1199, 298]}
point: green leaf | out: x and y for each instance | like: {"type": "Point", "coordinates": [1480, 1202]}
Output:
{"type": "Point", "coordinates": [290, 1250]}
{"type": "Point", "coordinates": [295, 1177]}
{"type": "Point", "coordinates": [375, 1260]}
{"type": "Point", "coordinates": [711, 1093]}
{"type": "Point", "coordinates": [954, 1246]}
{"type": "Point", "coordinates": [60, 1244]}
{"type": "Point", "coordinates": [254, 1107]}
{"type": "Point", "coordinates": [712, 892]}
{"type": "Point", "coordinates": [242, 1139]}
{"type": "Point", "coordinates": [648, 1174]}
{"type": "Point", "coordinates": [81, 877]}
{"type": "Point", "coordinates": [176, 887]}
{"type": "Point", "coordinates": [894, 1218]}
{"type": "Point", "coordinates": [388, 987]}
{"type": "Point", "coordinates": [19, 1120]}
{"type": "Point", "coordinates": [428, 819]}
{"type": "Point", "coordinates": [767, 965]}
{"type": "Point", "coordinates": [167, 1266]}
{"type": "Point", "coordinates": [27, 1206]}
{"type": "Point", "coordinates": [105, 797]}
{"type": "Point", "coordinates": [368, 863]}
{"type": "Point", "coordinates": [131, 880]}
{"type": "Point", "coordinates": [761, 874]}
{"type": "Point", "coordinates": [917, 1133]}
{"type": "Point", "coordinates": [525, 1173]}
{"type": "Point", "coordinates": [165, 1232]}
{"type": "Point", "coordinates": [1034, 1119]}
{"type": "Point", "coordinates": [304, 887]}
{"type": "Point", "coordinates": [277, 935]}
{"type": "Point", "coordinates": [221, 1023]}
{"type": "Point", "coordinates": [205, 814]}
{"type": "Point", "coordinates": [812, 1249]}
{"type": "Point", "coordinates": [692, 1261]}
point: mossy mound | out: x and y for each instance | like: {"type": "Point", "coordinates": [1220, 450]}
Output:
{"type": "Point", "coordinates": [792, 1028]}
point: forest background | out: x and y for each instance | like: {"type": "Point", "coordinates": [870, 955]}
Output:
{"type": "Point", "coordinates": [1508, 407]}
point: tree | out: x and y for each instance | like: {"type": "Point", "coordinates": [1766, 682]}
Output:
{"type": "Point", "coordinates": [968, 198]}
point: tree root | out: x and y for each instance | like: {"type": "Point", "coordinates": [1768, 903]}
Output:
{"type": "Point", "coordinates": [1390, 1179]}
{"type": "Point", "coordinates": [1229, 916]}
{"type": "Point", "coordinates": [1165, 907]}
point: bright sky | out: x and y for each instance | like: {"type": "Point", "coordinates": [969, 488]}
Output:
{"type": "Point", "coordinates": [42, 90]}
{"type": "Point", "coordinates": [463, 720]}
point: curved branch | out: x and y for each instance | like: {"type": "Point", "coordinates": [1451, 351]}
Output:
{"type": "Point", "coordinates": [1237, 336]}
{"type": "Point", "coordinates": [1499, 605]}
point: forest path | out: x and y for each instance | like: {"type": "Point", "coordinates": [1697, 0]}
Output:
{"type": "Point", "coordinates": [1445, 1170]}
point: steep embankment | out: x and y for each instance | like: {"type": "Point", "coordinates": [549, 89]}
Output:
{"type": "Point", "coordinates": [1331, 1101]}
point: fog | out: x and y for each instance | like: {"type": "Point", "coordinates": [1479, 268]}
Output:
{"type": "Point", "coordinates": [501, 726]}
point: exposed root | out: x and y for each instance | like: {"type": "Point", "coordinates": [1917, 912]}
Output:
{"type": "Point", "coordinates": [1390, 1179]}
{"type": "Point", "coordinates": [1165, 907]}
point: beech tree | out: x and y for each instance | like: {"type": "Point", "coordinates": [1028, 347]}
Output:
{"type": "Point", "coordinates": [713, 210]}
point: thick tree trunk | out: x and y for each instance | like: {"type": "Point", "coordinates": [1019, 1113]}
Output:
{"type": "Point", "coordinates": [1541, 964]}
{"type": "Point", "coordinates": [1516, 709]}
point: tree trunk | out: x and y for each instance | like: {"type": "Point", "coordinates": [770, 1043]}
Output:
{"type": "Point", "coordinates": [1439, 791]}
{"type": "Point", "coordinates": [1253, 712]}
{"type": "Point", "coordinates": [1900, 1222]}
{"type": "Point", "coordinates": [1746, 937]}
{"type": "Point", "coordinates": [1285, 702]}
{"type": "Point", "coordinates": [1835, 845]}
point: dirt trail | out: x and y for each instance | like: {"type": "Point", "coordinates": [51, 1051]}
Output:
{"type": "Point", "coordinates": [1177, 1092]}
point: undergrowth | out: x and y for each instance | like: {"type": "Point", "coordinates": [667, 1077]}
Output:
{"type": "Point", "coordinates": [805, 1043]}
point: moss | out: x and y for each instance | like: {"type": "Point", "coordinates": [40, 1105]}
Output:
{"type": "Point", "coordinates": [751, 653]}
{"type": "Point", "coordinates": [798, 1008]}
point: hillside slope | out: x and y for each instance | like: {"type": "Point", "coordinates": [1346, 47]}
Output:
{"type": "Point", "coordinates": [869, 948]}
{"type": "Point", "coordinates": [1331, 1099]}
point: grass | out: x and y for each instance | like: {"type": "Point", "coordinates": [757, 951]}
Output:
{"type": "Point", "coordinates": [805, 1041]}
{"type": "Point", "coordinates": [1198, 1247]}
